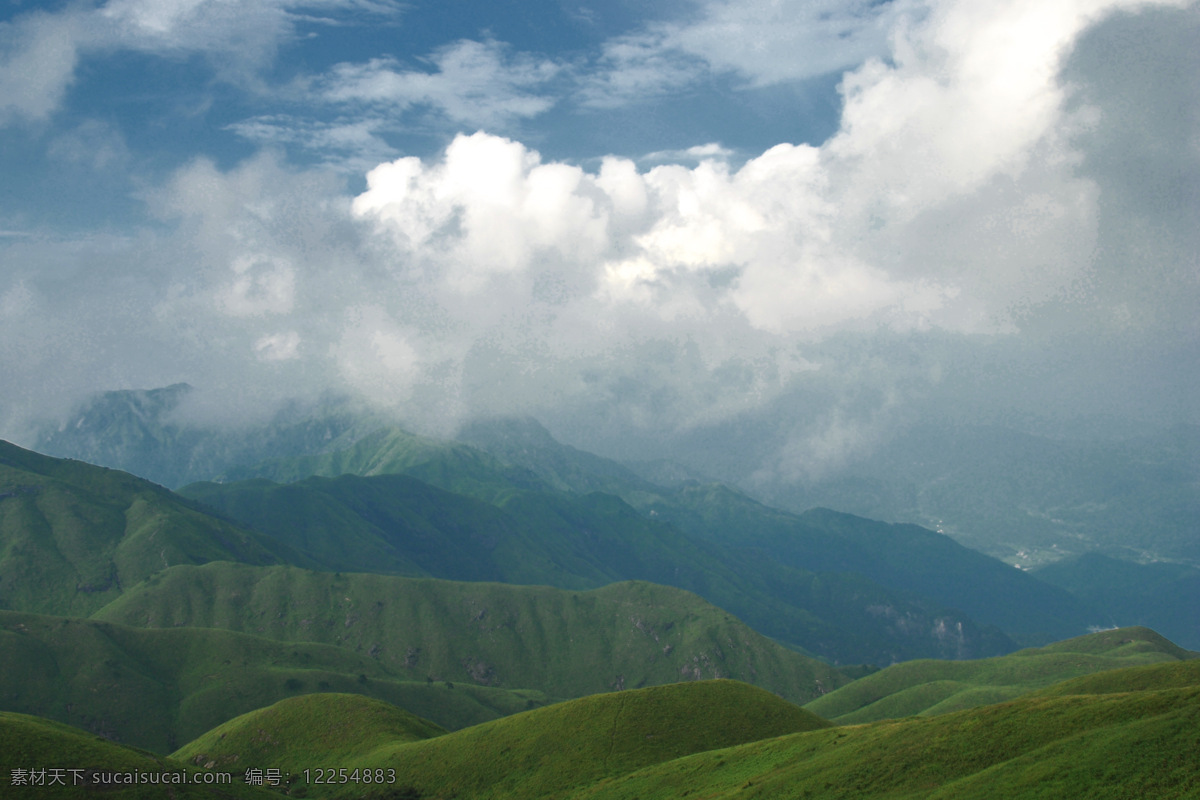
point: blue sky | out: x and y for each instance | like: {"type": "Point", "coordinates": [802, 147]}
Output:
{"type": "Point", "coordinates": [826, 218]}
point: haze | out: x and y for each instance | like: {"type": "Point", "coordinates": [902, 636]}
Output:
{"type": "Point", "coordinates": [660, 228]}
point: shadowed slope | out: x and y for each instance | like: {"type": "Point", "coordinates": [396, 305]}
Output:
{"type": "Point", "coordinates": [73, 535]}
{"type": "Point", "coordinates": [32, 743]}
{"type": "Point", "coordinates": [158, 688]}
{"type": "Point", "coordinates": [397, 524]}
{"type": "Point", "coordinates": [567, 644]}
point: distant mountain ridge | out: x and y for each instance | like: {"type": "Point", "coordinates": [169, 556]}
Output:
{"type": "Point", "coordinates": [144, 432]}
{"type": "Point", "coordinates": [579, 540]}
{"type": "Point", "coordinates": [1027, 499]}
{"type": "Point", "coordinates": [495, 457]}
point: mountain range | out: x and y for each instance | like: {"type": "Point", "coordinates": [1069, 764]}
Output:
{"type": "Point", "coordinates": [508, 616]}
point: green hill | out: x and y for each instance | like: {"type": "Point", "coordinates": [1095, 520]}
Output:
{"type": "Point", "coordinates": [398, 524]}
{"type": "Point", "coordinates": [68, 759]}
{"type": "Point", "coordinates": [564, 643]}
{"type": "Point", "coordinates": [158, 688]}
{"type": "Point", "coordinates": [938, 687]}
{"type": "Point", "coordinates": [73, 535]}
{"type": "Point", "coordinates": [546, 752]}
{"type": "Point", "coordinates": [299, 732]}
{"type": "Point", "coordinates": [1118, 744]}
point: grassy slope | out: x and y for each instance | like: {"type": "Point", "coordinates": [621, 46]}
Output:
{"type": "Point", "coordinates": [545, 752]}
{"type": "Point", "coordinates": [307, 731]}
{"type": "Point", "coordinates": [395, 523]}
{"type": "Point", "coordinates": [33, 743]}
{"type": "Point", "coordinates": [73, 535]}
{"type": "Point", "coordinates": [1120, 744]}
{"type": "Point", "coordinates": [567, 644]}
{"type": "Point", "coordinates": [939, 687]}
{"type": "Point", "coordinates": [158, 688]}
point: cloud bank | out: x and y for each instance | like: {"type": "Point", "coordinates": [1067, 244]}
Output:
{"type": "Point", "coordinates": [975, 208]}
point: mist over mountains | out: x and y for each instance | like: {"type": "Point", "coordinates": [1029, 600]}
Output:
{"type": "Point", "coordinates": [1032, 501]}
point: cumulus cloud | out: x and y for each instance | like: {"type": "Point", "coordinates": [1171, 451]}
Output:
{"type": "Point", "coordinates": [813, 294]}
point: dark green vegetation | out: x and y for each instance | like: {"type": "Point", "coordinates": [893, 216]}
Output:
{"type": "Point", "coordinates": [938, 687]}
{"type": "Point", "coordinates": [159, 688]}
{"type": "Point", "coordinates": [905, 559]}
{"type": "Point", "coordinates": [838, 586]}
{"type": "Point", "coordinates": [396, 523]}
{"type": "Point", "coordinates": [566, 644]}
{"type": "Point", "coordinates": [73, 536]}
{"type": "Point", "coordinates": [329, 593]}
{"type": "Point", "coordinates": [30, 743]}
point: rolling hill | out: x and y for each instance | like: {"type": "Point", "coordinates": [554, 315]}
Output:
{"type": "Point", "coordinates": [158, 688]}
{"type": "Point", "coordinates": [1097, 737]}
{"type": "Point", "coordinates": [563, 643]}
{"type": "Point", "coordinates": [938, 687]}
{"type": "Point", "coordinates": [299, 732]}
{"type": "Point", "coordinates": [73, 763]}
{"type": "Point", "coordinates": [1128, 732]}
{"type": "Point", "coordinates": [541, 753]}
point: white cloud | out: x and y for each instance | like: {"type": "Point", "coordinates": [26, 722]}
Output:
{"type": "Point", "coordinates": [39, 51]}
{"type": "Point", "coordinates": [962, 191]}
{"type": "Point", "coordinates": [638, 67]}
{"type": "Point", "coordinates": [261, 284]}
{"type": "Point", "coordinates": [762, 42]}
{"type": "Point", "coordinates": [38, 55]}
{"type": "Point", "coordinates": [473, 83]}
{"type": "Point", "coordinates": [772, 41]}
{"type": "Point", "coordinates": [353, 145]}
{"type": "Point", "coordinates": [491, 206]}
{"type": "Point", "coordinates": [696, 153]}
